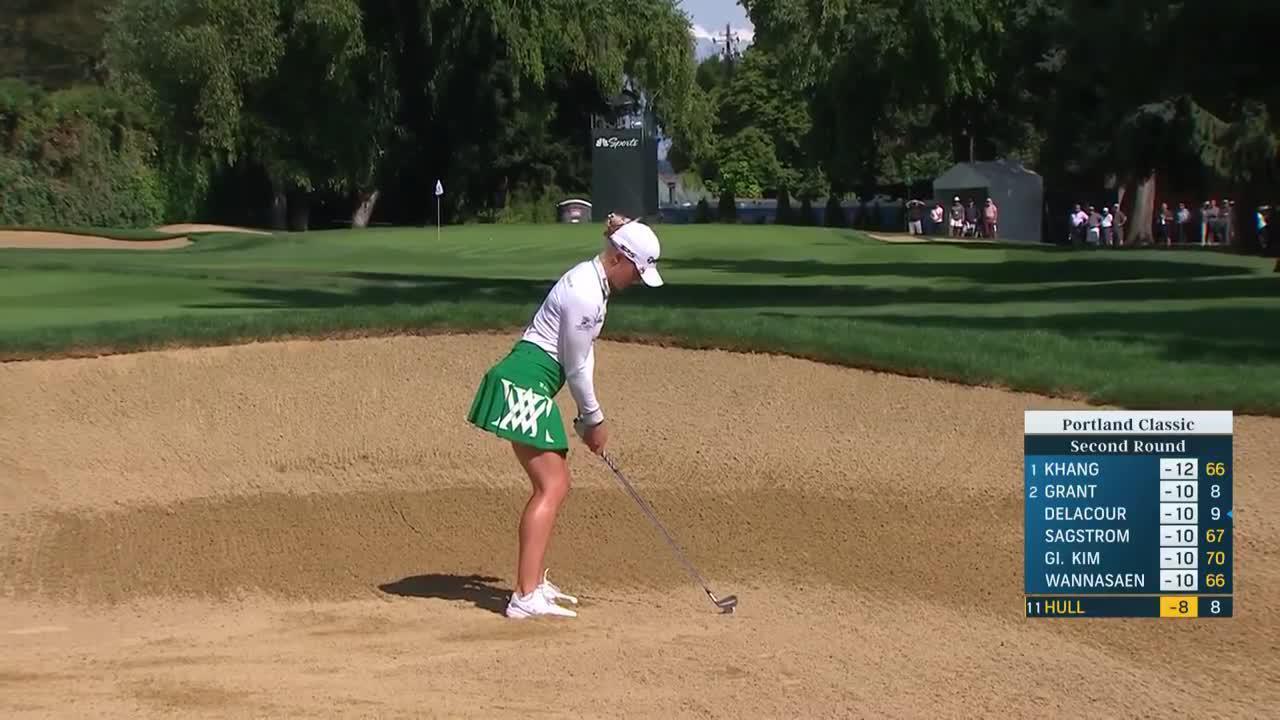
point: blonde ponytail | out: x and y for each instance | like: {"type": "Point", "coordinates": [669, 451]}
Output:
{"type": "Point", "coordinates": [613, 222]}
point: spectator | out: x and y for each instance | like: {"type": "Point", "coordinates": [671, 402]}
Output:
{"type": "Point", "coordinates": [1208, 219]}
{"type": "Point", "coordinates": [1163, 219]}
{"type": "Point", "coordinates": [1108, 227]}
{"type": "Point", "coordinates": [1079, 219]}
{"type": "Point", "coordinates": [971, 220]}
{"type": "Point", "coordinates": [957, 218]}
{"type": "Point", "coordinates": [937, 217]}
{"type": "Point", "coordinates": [1095, 226]}
{"type": "Point", "coordinates": [915, 215]}
{"type": "Point", "coordinates": [990, 219]}
{"type": "Point", "coordinates": [1120, 220]}
{"type": "Point", "coordinates": [1260, 219]}
{"type": "Point", "coordinates": [1269, 234]}
{"type": "Point", "coordinates": [1184, 219]}
{"type": "Point", "coordinates": [1226, 222]}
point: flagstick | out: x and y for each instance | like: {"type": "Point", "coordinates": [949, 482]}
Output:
{"type": "Point", "coordinates": [439, 192]}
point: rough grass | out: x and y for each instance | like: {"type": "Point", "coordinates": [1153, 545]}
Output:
{"type": "Point", "coordinates": [1144, 328]}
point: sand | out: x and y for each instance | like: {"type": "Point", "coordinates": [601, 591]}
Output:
{"type": "Point", "coordinates": [310, 529]}
{"type": "Point", "coordinates": [39, 240]}
{"type": "Point", "coordinates": [205, 228]}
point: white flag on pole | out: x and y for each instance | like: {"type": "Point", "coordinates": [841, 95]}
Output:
{"type": "Point", "coordinates": [439, 192]}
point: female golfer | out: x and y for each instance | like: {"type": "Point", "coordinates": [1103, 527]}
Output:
{"type": "Point", "coordinates": [515, 400]}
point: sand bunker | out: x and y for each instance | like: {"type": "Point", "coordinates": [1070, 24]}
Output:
{"type": "Point", "coordinates": [37, 240]}
{"type": "Point", "coordinates": [312, 529]}
{"type": "Point", "coordinates": [197, 228]}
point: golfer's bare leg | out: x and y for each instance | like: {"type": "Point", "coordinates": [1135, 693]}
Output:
{"type": "Point", "coordinates": [549, 474]}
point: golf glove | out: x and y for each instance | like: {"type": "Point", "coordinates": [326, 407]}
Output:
{"type": "Point", "coordinates": [581, 427]}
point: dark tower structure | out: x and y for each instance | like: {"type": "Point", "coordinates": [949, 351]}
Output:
{"type": "Point", "coordinates": [624, 157]}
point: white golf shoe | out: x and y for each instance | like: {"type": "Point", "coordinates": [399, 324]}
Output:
{"type": "Point", "coordinates": [548, 588]}
{"type": "Point", "coordinates": [534, 604]}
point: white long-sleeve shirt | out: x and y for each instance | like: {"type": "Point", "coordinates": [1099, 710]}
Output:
{"type": "Point", "coordinates": [567, 325]}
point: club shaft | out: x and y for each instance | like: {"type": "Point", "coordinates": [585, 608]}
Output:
{"type": "Point", "coordinates": [658, 524]}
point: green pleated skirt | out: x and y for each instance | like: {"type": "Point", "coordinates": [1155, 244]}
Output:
{"type": "Point", "coordinates": [516, 399]}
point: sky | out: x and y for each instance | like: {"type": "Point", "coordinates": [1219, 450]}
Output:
{"type": "Point", "coordinates": [709, 17]}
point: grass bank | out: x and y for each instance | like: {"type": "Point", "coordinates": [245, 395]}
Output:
{"type": "Point", "coordinates": [1149, 328]}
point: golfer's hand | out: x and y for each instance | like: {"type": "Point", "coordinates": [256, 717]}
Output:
{"type": "Point", "coordinates": [595, 436]}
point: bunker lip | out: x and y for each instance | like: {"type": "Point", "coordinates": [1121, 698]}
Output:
{"type": "Point", "coordinates": [207, 228]}
{"type": "Point", "coordinates": [41, 240]}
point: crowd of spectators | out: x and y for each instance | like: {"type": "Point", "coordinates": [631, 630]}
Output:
{"type": "Point", "coordinates": [1213, 223]}
{"type": "Point", "coordinates": [958, 221]}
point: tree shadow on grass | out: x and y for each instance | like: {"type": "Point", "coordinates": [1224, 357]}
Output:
{"type": "Point", "coordinates": [1221, 335]}
{"type": "Point", "coordinates": [381, 289]}
{"type": "Point", "coordinates": [1014, 245]}
{"type": "Point", "coordinates": [1083, 270]}
{"type": "Point", "coordinates": [475, 589]}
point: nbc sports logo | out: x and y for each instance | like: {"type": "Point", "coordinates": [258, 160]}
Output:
{"type": "Point", "coordinates": [616, 142]}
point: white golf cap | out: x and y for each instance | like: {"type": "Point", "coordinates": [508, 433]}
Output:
{"type": "Point", "coordinates": [639, 243]}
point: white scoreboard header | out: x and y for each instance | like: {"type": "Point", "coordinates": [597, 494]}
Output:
{"type": "Point", "coordinates": [1127, 422]}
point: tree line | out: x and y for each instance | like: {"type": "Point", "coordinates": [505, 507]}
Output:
{"type": "Point", "coordinates": [356, 106]}
{"type": "Point", "coordinates": [178, 108]}
{"type": "Point", "coordinates": [1146, 98]}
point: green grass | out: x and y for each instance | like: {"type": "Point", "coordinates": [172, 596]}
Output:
{"type": "Point", "coordinates": [1143, 328]}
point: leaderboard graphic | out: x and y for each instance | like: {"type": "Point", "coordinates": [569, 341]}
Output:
{"type": "Point", "coordinates": [1128, 514]}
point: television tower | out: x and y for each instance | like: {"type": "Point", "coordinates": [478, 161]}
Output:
{"type": "Point", "coordinates": [732, 46]}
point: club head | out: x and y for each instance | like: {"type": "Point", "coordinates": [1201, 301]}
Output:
{"type": "Point", "coordinates": [726, 604]}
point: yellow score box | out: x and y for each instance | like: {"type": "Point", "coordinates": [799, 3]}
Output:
{"type": "Point", "coordinates": [1179, 606]}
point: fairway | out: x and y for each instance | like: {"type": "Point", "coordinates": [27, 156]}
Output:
{"type": "Point", "coordinates": [1145, 328]}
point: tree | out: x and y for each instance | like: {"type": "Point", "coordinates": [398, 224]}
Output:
{"type": "Point", "coordinates": [290, 86]}
{"type": "Point", "coordinates": [1202, 117]}
{"type": "Point", "coordinates": [1092, 93]}
{"type": "Point", "coordinates": [238, 82]}
{"type": "Point", "coordinates": [77, 156]}
{"type": "Point", "coordinates": [758, 108]}
{"type": "Point", "coordinates": [747, 164]}
{"type": "Point", "coordinates": [760, 132]}
{"type": "Point", "coordinates": [883, 71]}
{"type": "Point", "coordinates": [52, 43]}
{"type": "Point", "coordinates": [345, 96]}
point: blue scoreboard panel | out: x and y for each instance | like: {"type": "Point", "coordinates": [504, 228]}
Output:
{"type": "Point", "coordinates": [1128, 514]}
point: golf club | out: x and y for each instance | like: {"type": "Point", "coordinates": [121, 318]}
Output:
{"type": "Point", "coordinates": [726, 604]}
